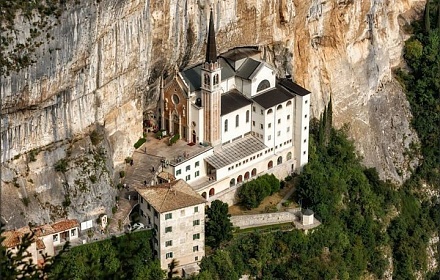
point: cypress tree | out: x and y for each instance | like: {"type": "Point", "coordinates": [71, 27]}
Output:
{"type": "Point", "coordinates": [438, 16]}
{"type": "Point", "coordinates": [427, 19]}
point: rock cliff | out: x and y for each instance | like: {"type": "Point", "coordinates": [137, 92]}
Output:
{"type": "Point", "coordinates": [102, 69]}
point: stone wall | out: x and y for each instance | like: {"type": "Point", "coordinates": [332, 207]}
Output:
{"type": "Point", "coordinates": [247, 221]}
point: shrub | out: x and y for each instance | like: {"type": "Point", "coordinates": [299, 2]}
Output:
{"type": "Point", "coordinates": [95, 137]}
{"type": "Point", "coordinates": [174, 138]}
{"type": "Point", "coordinates": [93, 178]}
{"type": "Point", "coordinates": [32, 154]}
{"type": "Point", "coordinates": [122, 173]}
{"type": "Point", "coordinates": [61, 165]}
{"type": "Point", "coordinates": [139, 143]}
{"type": "Point", "coordinates": [120, 186]}
{"type": "Point", "coordinates": [253, 192]}
{"type": "Point", "coordinates": [25, 201]}
{"type": "Point", "coordinates": [66, 202]}
{"type": "Point", "coordinates": [128, 159]}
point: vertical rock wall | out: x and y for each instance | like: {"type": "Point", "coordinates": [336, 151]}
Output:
{"type": "Point", "coordinates": [103, 66]}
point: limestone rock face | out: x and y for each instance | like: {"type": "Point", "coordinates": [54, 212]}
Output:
{"type": "Point", "coordinates": [103, 68]}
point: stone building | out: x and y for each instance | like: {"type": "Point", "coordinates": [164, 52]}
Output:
{"type": "Point", "coordinates": [248, 121]}
{"type": "Point", "coordinates": [176, 213]}
{"type": "Point", "coordinates": [46, 239]}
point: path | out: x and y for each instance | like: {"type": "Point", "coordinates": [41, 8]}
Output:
{"type": "Point", "coordinates": [285, 198]}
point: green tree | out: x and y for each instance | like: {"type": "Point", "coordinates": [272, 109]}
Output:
{"type": "Point", "coordinates": [17, 264]}
{"type": "Point", "coordinates": [218, 227]}
{"type": "Point", "coordinates": [427, 17]}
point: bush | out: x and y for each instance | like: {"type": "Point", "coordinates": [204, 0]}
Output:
{"type": "Point", "coordinates": [25, 201]}
{"type": "Point", "coordinates": [128, 159]}
{"type": "Point", "coordinates": [95, 137]}
{"type": "Point", "coordinates": [122, 173]}
{"type": "Point", "coordinates": [139, 143]}
{"type": "Point", "coordinates": [61, 165]}
{"type": "Point", "coordinates": [174, 138]}
{"type": "Point", "coordinates": [253, 192]}
{"type": "Point", "coordinates": [32, 154]}
{"type": "Point", "coordinates": [93, 178]}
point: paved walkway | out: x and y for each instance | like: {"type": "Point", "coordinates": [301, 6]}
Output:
{"type": "Point", "coordinates": [285, 198]}
{"type": "Point", "coordinates": [124, 208]}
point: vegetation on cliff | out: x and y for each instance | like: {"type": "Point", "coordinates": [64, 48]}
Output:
{"type": "Point", "coordinates": [24, 26]}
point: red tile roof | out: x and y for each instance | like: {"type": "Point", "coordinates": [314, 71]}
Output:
{"type": "Point", "coordinates": [65, 225]}
{"type": "Point", "coordinates": [13, 237]}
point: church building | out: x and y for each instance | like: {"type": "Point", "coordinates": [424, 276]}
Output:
{"type": "Point", "coordinates": [248, 121]}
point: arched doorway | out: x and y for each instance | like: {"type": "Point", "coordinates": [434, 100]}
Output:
{"type": "Point", "coordinates": [279, 160]}
{"type": "Point", "coordinates": [194, 137]}
{"type": "Point", "coordinates": [232, 182]}
{"type": "Point", "coordinates": [204, 195]}
{"type": "Point", "coordinates": [289, 156]}
{"type": "Point", "coordinates": [246, 176]}
{"type": "Point", "coordinates": [270, 165]}
{"type": "Point", "coordinates": [211, 192]}
{"type": "Point", "coordinates": [239, 179]}
{"type": "Point", "coordinates": [254, 172]}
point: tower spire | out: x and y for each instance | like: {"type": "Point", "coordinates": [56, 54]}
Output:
{"type": "Point", "coordinates": [211, 48]}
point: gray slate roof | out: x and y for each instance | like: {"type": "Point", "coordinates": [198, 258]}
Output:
{"type": "Point", "coordinates": [193, 75]}
{"type": "Point", "coordinates": [248, 68]}
{"type": "Point", "coordinates": [273, 97]}
{"type": "Point", "coordinates": [293, 87]}
{"type": "Point", "coordinates": [235, 151]}
{"type": "Point", "coordinates": [240, 53]}
{"type": "Point", "coordinates": [233, 100]}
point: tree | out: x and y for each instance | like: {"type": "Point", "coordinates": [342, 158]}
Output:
{"type": "Point", "coordinates": [218, 226]}
{"type": "Point", "coordinates": [17, 265]}
{"type": "Point", "coordinates": [427, 19]}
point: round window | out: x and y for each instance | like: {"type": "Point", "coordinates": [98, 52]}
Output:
{"type": "Point", "coordinates": [176, 99]}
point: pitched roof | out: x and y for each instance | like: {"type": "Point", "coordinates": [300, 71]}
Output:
{"type": "Point", "coordinates": [293, 87]}
{"type": "Point", "coordinates": [170, 196]}
{"type": "Point", "coordinates": [65, 225]}
{"type": "Point", "coordinates": [248, 68]}
{"type": "Point", "coordinates": [240, 53]}
{"type": "Point", "coordinates": [235, 151]}
{"type": "Point", "coordinates": [13, 237]}
{"type": "Point", "coordinates": [193, 77]}
{"type": "Point", "coordinates": [273, 97]}
{"type": "Point", "coordinates": [233, 100]}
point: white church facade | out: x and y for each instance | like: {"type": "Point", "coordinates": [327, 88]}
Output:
{"type": "Point", "coordinates": [247, 120]}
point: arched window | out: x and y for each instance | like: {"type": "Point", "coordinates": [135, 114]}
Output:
{"type": "Point", "coordinates": [232, 182]}
{"type": "Point", "coordinates": [247, 116]}
{"type": "Point", "coordinates": [204, 194]}
{"type": "Point", "coordinates": [264, 84]}
{"type": "Point", "coordinates": [269, 111]}
{"type": "Point", "coordinates": [289, 103]}
{"type": "Point", "coordinates": [270, 165]}
{"type": "Point", "coordinates": [239, 179]}
{"type": "Point", "coordinates": [215, 79]}
{"type": "Point", "coordinates": [254, 172]}
{"type": "Point", "coordinates": [206, 79]}
{"type": "Point", "coordinates": [279, 107]}
{"type": "Point", "coordinates": [289, 156]}
{"type": "Point", "coordinates": [226, 125]}
{"type": "Point", "coordinates": [279, 160]}
{"type": "Point", "coordinates": [246, 175]}
{"type": "Point", "coordinates": [211, 192]}
{"type": "Point", "coordinates": [237, 120]}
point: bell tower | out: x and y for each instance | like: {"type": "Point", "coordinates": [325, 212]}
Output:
{"type": "Point", "coordinates": [211, 90]}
